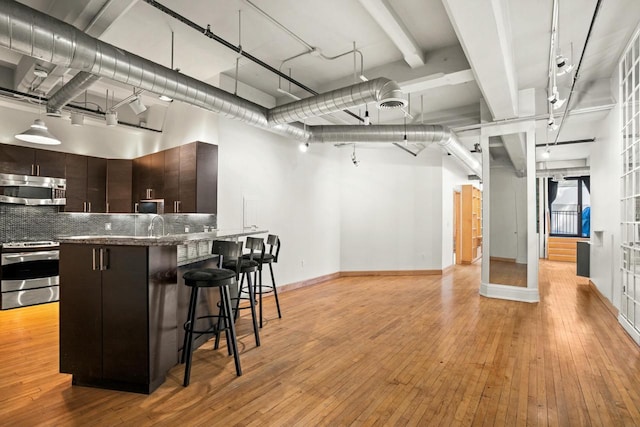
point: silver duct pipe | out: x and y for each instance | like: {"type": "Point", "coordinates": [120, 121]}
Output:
{"type": "Point", "coordinates": [74, 87]}
{"type": "Point", "coordinates": [36, 34]}
{"type": "Point", "coordinates": [386, 93]}
{"type": "Point", "coordinates": [565, 172]}
{"type": "Point", "coordinates": [427, 134]}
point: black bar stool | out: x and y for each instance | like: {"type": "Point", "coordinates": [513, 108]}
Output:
{"type": "Point", "coordinates": [209, 278]}
{"type": "Point", "coordinates": [246, 267]}
{"type": "Point", "coordinates": [268, 258]}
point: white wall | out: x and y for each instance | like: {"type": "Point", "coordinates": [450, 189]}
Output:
{"type": "Point", "coordinates": [454, 176]}
{"type": "Point", "coordinates": [508, 219]}
{"type": "Point", "coordinates": [298, 194]}
{"type": "Point", "coordinates": [391, 213]}
{"type": "Point", "coordinates": [605, 208]}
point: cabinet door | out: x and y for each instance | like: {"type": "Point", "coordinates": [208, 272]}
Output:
{"type": "Point", "coordinates": [97, 184]}
{"type": "Point", "coordinates": [119, 187]}
{"type": "Point", "coordinates": [76, 174]}
{"type": "Point", "coordinates": [188, 165]}
{"type": "Point", "coordinates": [50, 163]}
{"type": "Point", "coordinates": [80, 312]}
{"type": "Point", "coordinates": [125, 335]}
{"type": "Point", "coordinates": [171, 192]}
{"type": "Point", "coordinates": [207, 178]}
{"type": "Point", "coordinates": [156, 178]}
{"type": "Point", "coordinates": [141, 173]}
{"type": "Point", "coordinates": [16, 160]}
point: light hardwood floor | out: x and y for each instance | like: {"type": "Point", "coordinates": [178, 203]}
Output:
{"type": "Point", "coordinates": [399, 350]}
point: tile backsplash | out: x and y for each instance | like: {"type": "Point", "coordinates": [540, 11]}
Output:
{"type": "Point", "coordinates": [28, 223]}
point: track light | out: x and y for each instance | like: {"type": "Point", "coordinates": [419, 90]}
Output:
{"type": "Point", "coordinates": [165, 98]}
{"type": "Point", "coordinates": [551, 124]}
{"type": "Point", "coordinates": [111, 117]}
{"type": "Point", "coordinates": [367, 120]}
{"type": "Point", "coordinates": [77, 119]}
{"type": "Point", "coordinates": [558, 103]}
{"type": "Point", "coordinates": [563, 65]}
{"type": "Point", "coordinates": [137, 106]}
{"type": "Point", "coordinates": [545, 154]}
{"type": "Point", "coordinates": [304, 147]}
{"type": "Point", "coordinates": [354, 159]}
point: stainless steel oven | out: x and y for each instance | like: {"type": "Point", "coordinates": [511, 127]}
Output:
{"type": "Point", "coordinates": [28, 273]}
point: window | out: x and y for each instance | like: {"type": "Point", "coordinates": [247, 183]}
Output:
{"type": "Point", "coordinates": [570, 206]}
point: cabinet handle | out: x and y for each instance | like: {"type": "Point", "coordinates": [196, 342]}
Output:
{"type": "Point", "coordinates": [89, 203]}
{"type": "Point", "coordinates": [107, 207]}
{"type": "Point", "coordinates": [93, 259]}
{"type": "Point", "coordinates": [178, 203]}
{"type": "Point", "coordinates": [84, 206]}
{"type": "Point", "coordinates": [135, 208]}
{"type": "Point", "coordinates": [104, 259]}
{"type": "Point", "coordinates": [148, 193]}
{"type": "Point", "coordinates": [37, 170]}
{"type": "Point", "coordinates": [33, 169]}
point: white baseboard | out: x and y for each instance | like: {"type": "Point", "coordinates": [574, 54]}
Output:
{"type": "Point", "coordinates": [513, 293]}
{"type": "Point", "coordinates": [633, 333]}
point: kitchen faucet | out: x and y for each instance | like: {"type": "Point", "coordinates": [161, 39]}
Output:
{"type": "Point", "coordinates": [151, 225]}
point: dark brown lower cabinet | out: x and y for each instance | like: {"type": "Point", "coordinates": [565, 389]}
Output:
{"type": "Point", "coordinates": [118, 315]}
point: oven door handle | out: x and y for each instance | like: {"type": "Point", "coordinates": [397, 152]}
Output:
{"type": "Point", "coordinates": [14, 258]}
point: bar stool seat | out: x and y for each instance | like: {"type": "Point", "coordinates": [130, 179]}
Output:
{"type": "Point", "coordinates": [222, 279]}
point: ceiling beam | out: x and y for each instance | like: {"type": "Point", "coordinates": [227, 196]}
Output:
{"type": "Point", "coordinates": [436, 80]}
{"type": "Point", "coordinates": [515, 145]}
{"type": "Point", "coordinates": [390, 22]}
{"type": "Point", "coordinates": [484, 31]}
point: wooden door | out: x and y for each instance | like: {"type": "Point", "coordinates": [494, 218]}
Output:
{"type": "Point", "coordinates": [119, 187]}
{"type": "Point", "coordinates": [76, 174]}
{"type": "Point", "coordinates": [80, 312]}
{"type": "Point", "coordinates": [125, 356]}
{"type": "Point", "coordinates": [50, 163]}
{"type": "Point", "coordinates": [188, 182]}
{"type": "Point", "coordinates": [207, 178]}
{"type": "Point", "coordinates": [16, 160]}
{"type": "Point", "coordinates": [171, 192]}
{"type": "Point", "coordinates": [97, 184]}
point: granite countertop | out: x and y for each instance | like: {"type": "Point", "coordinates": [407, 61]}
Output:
{"type": "Point", "coordinates": [169, 240]}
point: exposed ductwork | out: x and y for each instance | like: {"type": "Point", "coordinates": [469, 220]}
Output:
{"type": "Point", "coordinates": [384, 92]}
{"type": "Point", "coordinates": [36, 34]}
{"type": "Point", "coordinates": [395, 133]}
{"type": "Point", "coordinates": [78, 84]}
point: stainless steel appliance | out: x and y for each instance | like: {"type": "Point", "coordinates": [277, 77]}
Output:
{"type": "Point", "coordinates": [153, 206]}
{"type": "Point", "coordinates": [32, 190]}
{"type": "Point", "coordinates": [28, 273]}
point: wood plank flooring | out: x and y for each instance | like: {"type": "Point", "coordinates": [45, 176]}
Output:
{"type": "Point", "coordinates": [396, 350]}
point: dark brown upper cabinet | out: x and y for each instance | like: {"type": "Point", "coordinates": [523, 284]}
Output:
{"type": "Point", "coordinates": [148, 177]}
{"type": "Point", "coordinates": [119, 185]}
{"type": "Point", "coordinates": [191, 179]}
{"type": "Point", "coordinates": [20, 160]}
{"type": "Point", "coordinates": [86, 183]}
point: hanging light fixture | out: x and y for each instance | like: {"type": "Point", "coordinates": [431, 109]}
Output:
{"type": "Point", "coordinates": [38, 132]}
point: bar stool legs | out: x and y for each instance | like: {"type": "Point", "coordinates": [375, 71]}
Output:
{"type": "Point", "coordinates": [275, 290]}
{"type": "Point", "coordinates": [225, 315]}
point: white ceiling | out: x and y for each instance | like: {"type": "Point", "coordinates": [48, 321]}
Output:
{"type": "Point", "coordinates": [334, 25]}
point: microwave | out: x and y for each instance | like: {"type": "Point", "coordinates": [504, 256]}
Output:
{"type": "Point", "coordinates": [32, 190]}
{"type": "Point", "coordinates": [150, 206]}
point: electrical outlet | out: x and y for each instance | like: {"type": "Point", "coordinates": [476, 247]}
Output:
{"type": "Point", "coordinates": [302, 263]}
{"type": "Point", "coordinates": [107, 226]}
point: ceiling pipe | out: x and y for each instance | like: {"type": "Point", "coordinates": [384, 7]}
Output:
{"type": "Point", "coordinates": [428, 134]}
{"type": "Point", "coordinates": [384, 92]}
{"type": "Point", "coordinates": [36, 34]}
{"type": "Point", "coordinates": [78, 84]}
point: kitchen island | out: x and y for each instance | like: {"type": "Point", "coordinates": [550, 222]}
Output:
{"type": "Point", "coordinates": [121, 306]}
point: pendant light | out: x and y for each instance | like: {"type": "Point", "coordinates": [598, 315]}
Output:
{"type": "Point", "coordinates": [38, 132]}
